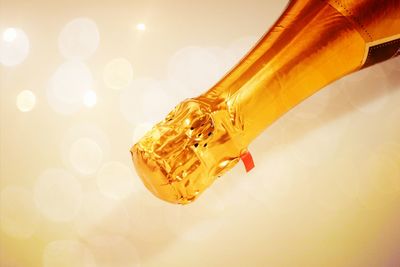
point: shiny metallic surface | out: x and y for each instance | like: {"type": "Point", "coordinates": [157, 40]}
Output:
{"type": "Point", "coordinates": [311, 45]}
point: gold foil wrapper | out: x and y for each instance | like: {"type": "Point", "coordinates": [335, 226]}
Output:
{"type": "Point", "coordinates": [312, 44]}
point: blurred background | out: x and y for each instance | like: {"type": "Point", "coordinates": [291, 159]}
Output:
{"type": "Point", "coordinates": [81, 81]}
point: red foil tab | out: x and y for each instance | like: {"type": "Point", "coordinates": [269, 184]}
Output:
{"type": "Point", "coordinates": [247, 161]}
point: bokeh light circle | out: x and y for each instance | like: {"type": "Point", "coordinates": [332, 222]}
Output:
{"type": "Point", "coordinates": [26, 101]}
{"type": "Point", "coordinates": [141, 27]}
{"type": "Point", "coordinates": [58, 195]}
{"type": "Point", "coordinates": [115, 180]}
{"type": "Point", "coordinates": [149, 100]}
{"type": "Point", "coordinates": [114, 251]}
{"type": "Point", "coordinates": [118, 73]}
{"type": "Point", "coordinates": [19, 216]}
{"type": "Point", "coordinates": [67, 253]}
{"type": "Point", "coordinates": [130, 100]}
{"type": "Point", "coordinates": [79, 39]}
{"type": "Point", "coordinates": [9, 35]}
{"type": "Point", "coordinates": [144, 207]}
{"type": "Point", "coordinates": [98, 147]}
{"type": "Point", "coordinates": [99, 214]}
{"type": "Point", "coordinates": [14, 47]}
{"type": "Point", "coordinates": [89, 98]}
{"type": "Point", "coordinates": [197, 68]}
{"type": "Point", "coordinates": [68, 86]}
{"type": "Point", "coordinates": [156, 102]}
{"type": "Point", "coordinates": [85, 156]}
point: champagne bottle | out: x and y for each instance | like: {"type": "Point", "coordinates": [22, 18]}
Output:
{"type": "Point", "coordinates": [313, 43]}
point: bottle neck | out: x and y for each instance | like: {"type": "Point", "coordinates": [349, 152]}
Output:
{"type": "Point", "coordinates": [311, 45]}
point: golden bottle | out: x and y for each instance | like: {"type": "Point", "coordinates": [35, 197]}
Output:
{"type": "Point", "coordinates": [313, 43]}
